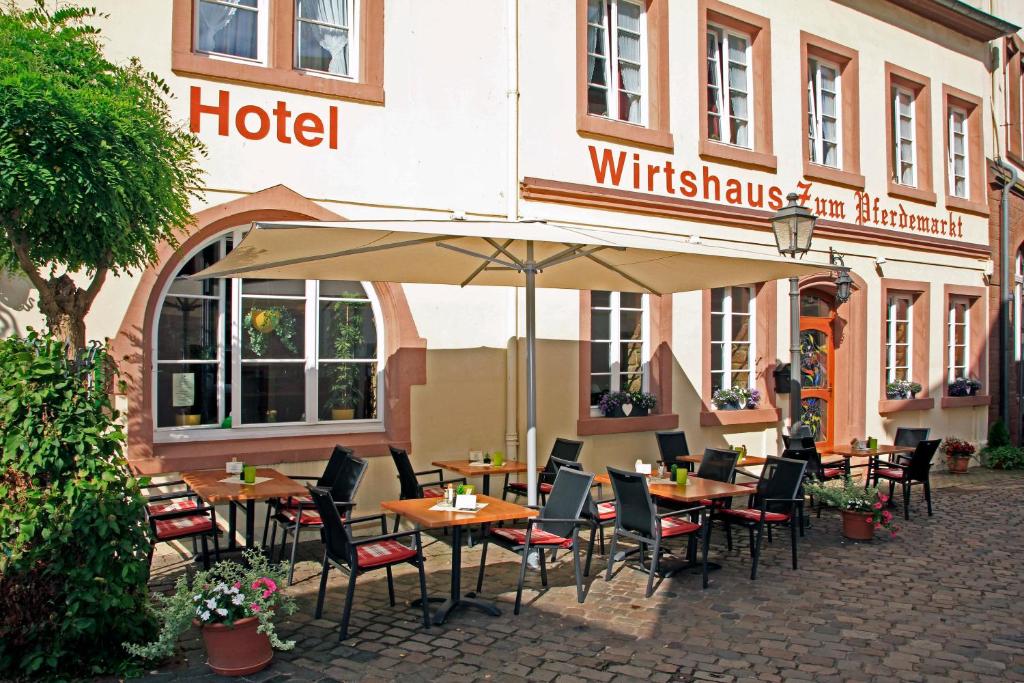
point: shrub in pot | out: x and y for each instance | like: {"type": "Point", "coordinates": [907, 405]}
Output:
{"type": "Point", "coordinates": [234, 606]}
{"type": "Point", "coordinates": [958, 454]}
{"type": "Point", "coordinates": [863, 510]}
{"type": "Point", "coordinates": [902, 389]}
{"type": "Point", "coordinates": [736, 398]}
{"type": "Point", "coordinates": [964, 386]}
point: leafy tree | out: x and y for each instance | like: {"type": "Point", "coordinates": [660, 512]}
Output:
{"type": "Point", "coordinates": [74, 543]}
{"type": "Point", "coordinates": [94, 174]}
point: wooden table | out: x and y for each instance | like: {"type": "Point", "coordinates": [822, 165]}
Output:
{"type": "Point", "coordinates": [748, 461]}
{"type": "Point", "coordinates": [847, 452]}
{"type": "Point", "coordinates": [467, 469]}
{"type": "Point", "coordinates": [418, 511]}
{"type": "Point", "coordinates": [696, 489]}
{"type": "Point", "coordinates": [207, 485]}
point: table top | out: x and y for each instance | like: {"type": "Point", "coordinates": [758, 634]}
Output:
{"type": "Point", "coordinates": [696, 489]}
{"type": "Point", "coordinates": [465, 467]}
{"type": "Point", "coordinates": [418, 511]}
{"type": "Point", "coordinates": [208, 485]}
{"type": "Point", "coordinates": [847, 451]}
{"type": "Point", "coordinates": [749, 461]}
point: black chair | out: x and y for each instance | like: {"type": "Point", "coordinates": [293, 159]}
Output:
{"type": "Point", "coordinates": [177, 515]}
{"type": "Point", "coordinates": [557, 527]}
{"type": "Point", "coordinates": [599, 513]}
{"type": "Point", "coordinates": [294, 520]}
{"type": "Point", "coordinates": [274, 506]}
{"type": "Point", "coordinates": [672, 446]}
{"type": "Point", "coordinates": [800, 441]}
{"type": "Point", "coordinates": [410, 487]}
{"type": "Point", "coordinates": [563, 449]}
{"type": "Point", "coordinates": [718, 464]}
{"type": "Point", "coordinates": [915, 470]}
{"type": "Point", "coordinates": [360, 555]}
{"type": "Point", "coordinates": [910, 436]}
{"type": "Point", "coordinates": [816, 469]}
{"type": "Point", "coordinates": [638, 520]}
{"type": "Point", "coordinates": [775, 503]}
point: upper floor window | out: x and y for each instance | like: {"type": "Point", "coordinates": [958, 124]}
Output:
{"type": "Point", "coordinates": [957, 152]}
{"type": "Point", "coordinates": [898, 339]}
{"type": "Point", "coordinates": [616, 72]}
{"type": "Point", "coordinates": [233, 28]}
{"type": "Point", "coordinates": [904, 153]}
{"type": "Point", "coordinates": [730, 109]}
{"type": "Point", "coordinates": [326, 36]}
{"type": "Point", "coordinates": [823, 118]}
{"type": "Point", "coordinates": [908, 128]}
{"type": "Point", "coordinates": [619, 343]}
{"type": "Point", "coordinates": [732, 338]}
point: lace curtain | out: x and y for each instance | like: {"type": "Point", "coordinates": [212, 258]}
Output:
{"type": "Point", "coordinates": [333, 40]}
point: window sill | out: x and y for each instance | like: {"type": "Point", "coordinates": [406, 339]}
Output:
{"type": "Point", "coordinates": [193, 64]}
{"type": "Point", "coordinates": [620, 131]}
{"type": "Point", "coordinates": [730, 154]}
{"type": "Point", "coordinates": [901, 405]}
{"type": "Point", "coordinates": [914, 194]}
{"type": "Point", "coordinates": [965, 401]}
{"type": "Point", "coordinates": [214, 433]}
{"type": "Point", "coordinates": [966, 206]}
{"type": "Point", "coordinates": [725, 418]}
{"type": "Point", "coordinates": [593, 426]}
{"type": "Point", "coordinates": [833, 176]}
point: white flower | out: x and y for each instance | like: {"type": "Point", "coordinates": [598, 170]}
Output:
{"type": "Point", "coordinates": [211, 603]}
{"type": "Point", "coordinates": [234, 589]}
{"type": "Point", "coordinates": [238, 599]}
{"type": "Point", "coordinates": [205, 616]}
{"type": "Point", "coordinates": [221, 611]}
{"type": "Point", "coordinates": [197, 597]}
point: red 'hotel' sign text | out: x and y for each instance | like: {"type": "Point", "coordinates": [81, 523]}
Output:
{"type": "Point", "coordinates": [621, 169]}
{"type": "Point", "coordinates": [255, 123]}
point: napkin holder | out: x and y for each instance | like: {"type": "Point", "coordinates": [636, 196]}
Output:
{"type": "Point", "coordinates": [465, 501]}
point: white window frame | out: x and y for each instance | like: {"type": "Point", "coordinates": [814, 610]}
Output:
{"type": "Point", "coordinates": [955, 111]}
{"type": "Point", "coordinates": [353, 43]}
{"type": "Point", "coordinates": [816, 129]}
{"type": "Point", "coordinates": [611, 56]}
{"type": "Point", "coordinates": [262, 10]}
{"type": "Point", "coordinates": [890, 337]}
{"type": "Point", "coordinates": [726, 342]}
{"type": "Point", "coordinates": [898, 141]}
{"type": "Point", "coordinates": [720, 37]}
{"type": "Point", "coordinates": [311, 351]}
{"type": "Point", "coordinates": [952, 322]}
{"type": "Point", "coordinates": [615, 343]}
{"type": "Point", "coordinates": [1018, 306]}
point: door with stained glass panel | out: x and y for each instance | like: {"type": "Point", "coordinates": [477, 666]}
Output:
{"type": "Point", "coordinates": [817, 367]}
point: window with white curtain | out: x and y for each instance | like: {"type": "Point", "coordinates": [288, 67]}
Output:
{"type": "Point", "coordinates": [732, 338]}
{"type": "Point", "coordinates": [265, 352]}
{"type": "Point", "coordinates": [232, 28]}
{"type": "Point", "coordinates": [904, 136]}
{"type": "Point", "coordinates": [326, 37]}
{"type": "Point", "coordinates": [898, 338]}
{"type": "Point", "coordinates": [730, 101]}
{"type": "Point", "coordinates": [823, 112]}
{"type": "Point", "coordinates": [619, 343]}
{"type": "Point", "coordinates": [958, 337]}
{"type": "Point", "coordinates": [617, 59]}
{"type": "Point", "coordinates": [957, 150]}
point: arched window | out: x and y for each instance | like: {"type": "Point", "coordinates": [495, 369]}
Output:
{"type": "Point", "coordinates": [265, 352]}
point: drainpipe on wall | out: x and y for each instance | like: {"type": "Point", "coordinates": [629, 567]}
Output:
{"type": "Point", "coordinates": [1005, 340]}
{"type": "Point", "coordinates": [512, 210]}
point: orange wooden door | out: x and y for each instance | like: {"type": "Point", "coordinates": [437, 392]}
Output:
{"type": "Point", "coordinates": [817, 372]}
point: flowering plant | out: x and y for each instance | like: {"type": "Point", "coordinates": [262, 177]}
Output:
{"type": "Point", "coordinates": [958, 448]}
{"type": "Point", "coordinates": [612, 401]}
{"type": "Point", "coordinates": [736, 396]}
{"type": "Point", "coordinates": [643, 399]}
{"type": "Point", "coordinates": [223, 594]}
{"type": "Point", "coordinates": [964, 386]}
{"type": "Point", "coordinates": [846, 494]}
{"type": "Point", "coordinates": [901, 388]}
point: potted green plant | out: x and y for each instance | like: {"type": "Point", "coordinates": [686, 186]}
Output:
{"type": "Point", "coordinates": [234, 606]}
{"type": "Point", "coordinates": [958, 454]}
{"type": "Point", "coordinates": [643, 402]}
{"type": "Point", "coordinates": [862, 509]}
{"type": "Point", "coordinates": [901, 389]}
{"type": "Point", "coordinates": [736, 398]}
{"type": "Point", "coordinates": [613, 403]}
{"type": "Point", "coordinates": [347, 334]}
{"type": "Point", "coordinates": [964, 386]}
{"type": "Point", "coordinates": [263, 323]}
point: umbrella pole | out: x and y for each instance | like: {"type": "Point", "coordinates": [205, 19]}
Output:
{"type": "Point", "coordinates": [531, 377]}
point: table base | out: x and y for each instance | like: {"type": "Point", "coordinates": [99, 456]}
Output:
{"type": "Point", "coordinates": [449, 605]}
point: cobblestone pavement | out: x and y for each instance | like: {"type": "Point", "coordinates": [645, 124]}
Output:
{"type": "Point", "coordinates": [940, 602]}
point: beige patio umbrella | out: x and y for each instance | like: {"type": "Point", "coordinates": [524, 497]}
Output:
{"type": "Point", "coordinates": [526, 254]}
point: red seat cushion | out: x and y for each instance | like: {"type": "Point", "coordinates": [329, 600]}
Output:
{"type": "Point", "coordinates": [293, 502]}
{"type": "Point", "coordinates": [521, 486]}
{"type": "Point", "coordinates": [674, 526]}
{"type": "Point", "coordinates": [830, 472]}
{"type": "Point", "coordinates": [887, 473]}
{"type": "Point", "coordinates": [538, 537]}
{"type": "Point", "coordinates": [307, 517]}
{"type": "Point", "coordinates": [432, 492]}
{"type": "Point", "coordinates": [605, 511]}
{"type": "Point", "coordinates": [172, 506]}
{"type": "Point", "coordinates": [748, 484]}
{"type": "Point", "coordinates": [166, 529]}
{"type": "Point", "coordinates": [752, 515]}
{"type": "Point", "coordinates": [384, 552]}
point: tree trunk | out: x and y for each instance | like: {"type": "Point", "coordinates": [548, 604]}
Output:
{"type": "Point", "coordinates": [60, 300]}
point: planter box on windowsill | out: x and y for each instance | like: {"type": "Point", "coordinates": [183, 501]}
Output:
{"type": "Point", "coordinates": [744, 416]}
{"type": "Point", "coordinates": [899, 405]}
{"type": "Point", "coordinates": [966, 401]}
{"type": "Point", "coordinates": [621, 425]}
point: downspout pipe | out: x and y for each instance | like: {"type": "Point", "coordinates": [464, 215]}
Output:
{"type": "Point", "coordinates": [512, 213]}
{"type": "Point", "coordinates": [1005, 301]}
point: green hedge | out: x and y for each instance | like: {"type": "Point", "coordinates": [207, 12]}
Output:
{"type": "Point", "coordinates": [73, 541]}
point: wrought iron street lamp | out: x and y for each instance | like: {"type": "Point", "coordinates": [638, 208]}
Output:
{"type": "Point", "coordinates": [844, 283]}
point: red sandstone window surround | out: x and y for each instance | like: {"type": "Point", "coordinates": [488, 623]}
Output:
{"type": "Point", "coordinates": [964, 342]}
{"type": "Point", "coordinates": [908, 125]}
{"type": "Point", "coordinates": [962, 124]}
{"type": "Point", "coordinates": [904, 357]}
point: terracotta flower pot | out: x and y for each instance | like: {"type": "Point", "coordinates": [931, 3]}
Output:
{"type": "Point", "coordinates": [957, 464]}
{"type": "Point", "coordinates": [343, 413]}
{"type": "Point", "coordinates": [237, 650]}
{"type": "Point", "coordinates": [858, 526]}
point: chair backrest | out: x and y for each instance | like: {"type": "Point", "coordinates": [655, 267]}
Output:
{"type": "Point", "coordinates": [336, 536]}
{"type": "Point", "coordinates": [910, 436]}
{"type": "Point", "coordinates": [562, 449]}
{"type": "Point", "coordinates": [589, 506]}
{"type": "Point", "coordinates": [334, 465]}
{"type": "Point", "coordinates": [634, 508]}
{"type": "Point", "coordinates": [921, 460]}
{"type": "Point", "coordinates": [671, 445]}
{"type": "Point", "coordinates": [809, 456]}
{"type": "Point", "coordinates": [718, 464]}
{"type": "Point", "coordinates": [409, 487]}
{"type": "Point", "coordinates": [568, 495]}
{"type": "Point", "coordinates": [350, 475]}
{"type": "Point", "coordinates": [801, 441]}
{"type": "Point", "coordinates": [781, 478]}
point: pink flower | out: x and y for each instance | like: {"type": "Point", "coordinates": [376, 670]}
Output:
{"type": "Point", "coordinates": [894, 533]}
{"type": "Point", "coordinates": [271, 587]}
{"type": "Point", "coordinates": [878, 526]}
{"type": "Point", "coordinates": [267, 593]}
{"type": "Point", "coordinates": [877, 506]}
{"type": "Point", "coordinates": [883, 497]}
{"type": "Point", "coordinates": [238, 584]}
{"type": "Point", "coordinates": [254, 607]}
{"type": "Point", "coordinates": [887, 516]}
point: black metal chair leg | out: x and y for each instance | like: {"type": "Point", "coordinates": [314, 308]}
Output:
{"type": "Point", "coordinates": [756, 554]}
{"type": "Point", "coordinates": [423, 593]}
{"type": "Point", "coordinates": [206, 551]}
{"type": "Point", "coordinates": [483, 565]}
{"type": "Point", "coordinates": [266, 524]}
{"type": "Point", "coordinates": [580, 597]}
{"type": "Point", "coordinates": [590, 550]}
{"type": "Point", "coordinates": [611, 556]}
{"type": "Point", "coordinates": [793, 540]}
{"type": "Point", "coordinates": [398, 518]}
{"type": "Point", "coordinates": [704, 554]}
{"type": "Point", "coordinates": [347, 614]}
{"type": "Point", "coordinates": [601, 532]}
{"type": "Point", "coordinates": [750, 540]}
{"type": "Point", "coordinates": [906, 500]}
{"type": "Point", "coordinates": [519, 585]}
{"type": "Point", "coordinates": [928, 495]}
{"type": "Point", "coordinates": [273, 541]}
{"type": "Point", "coordinates": [295, 550]}
{"type": "Point", "coordinates": [728, 536]}
{"type": "Point", "coordinates": [391, 587]}
{"type": "Point", "coordinates": [323, 587]}
{"type": "Point", "coordinates": [655, 557]}
{"type": "Point", "coordinates": [543, 568]}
